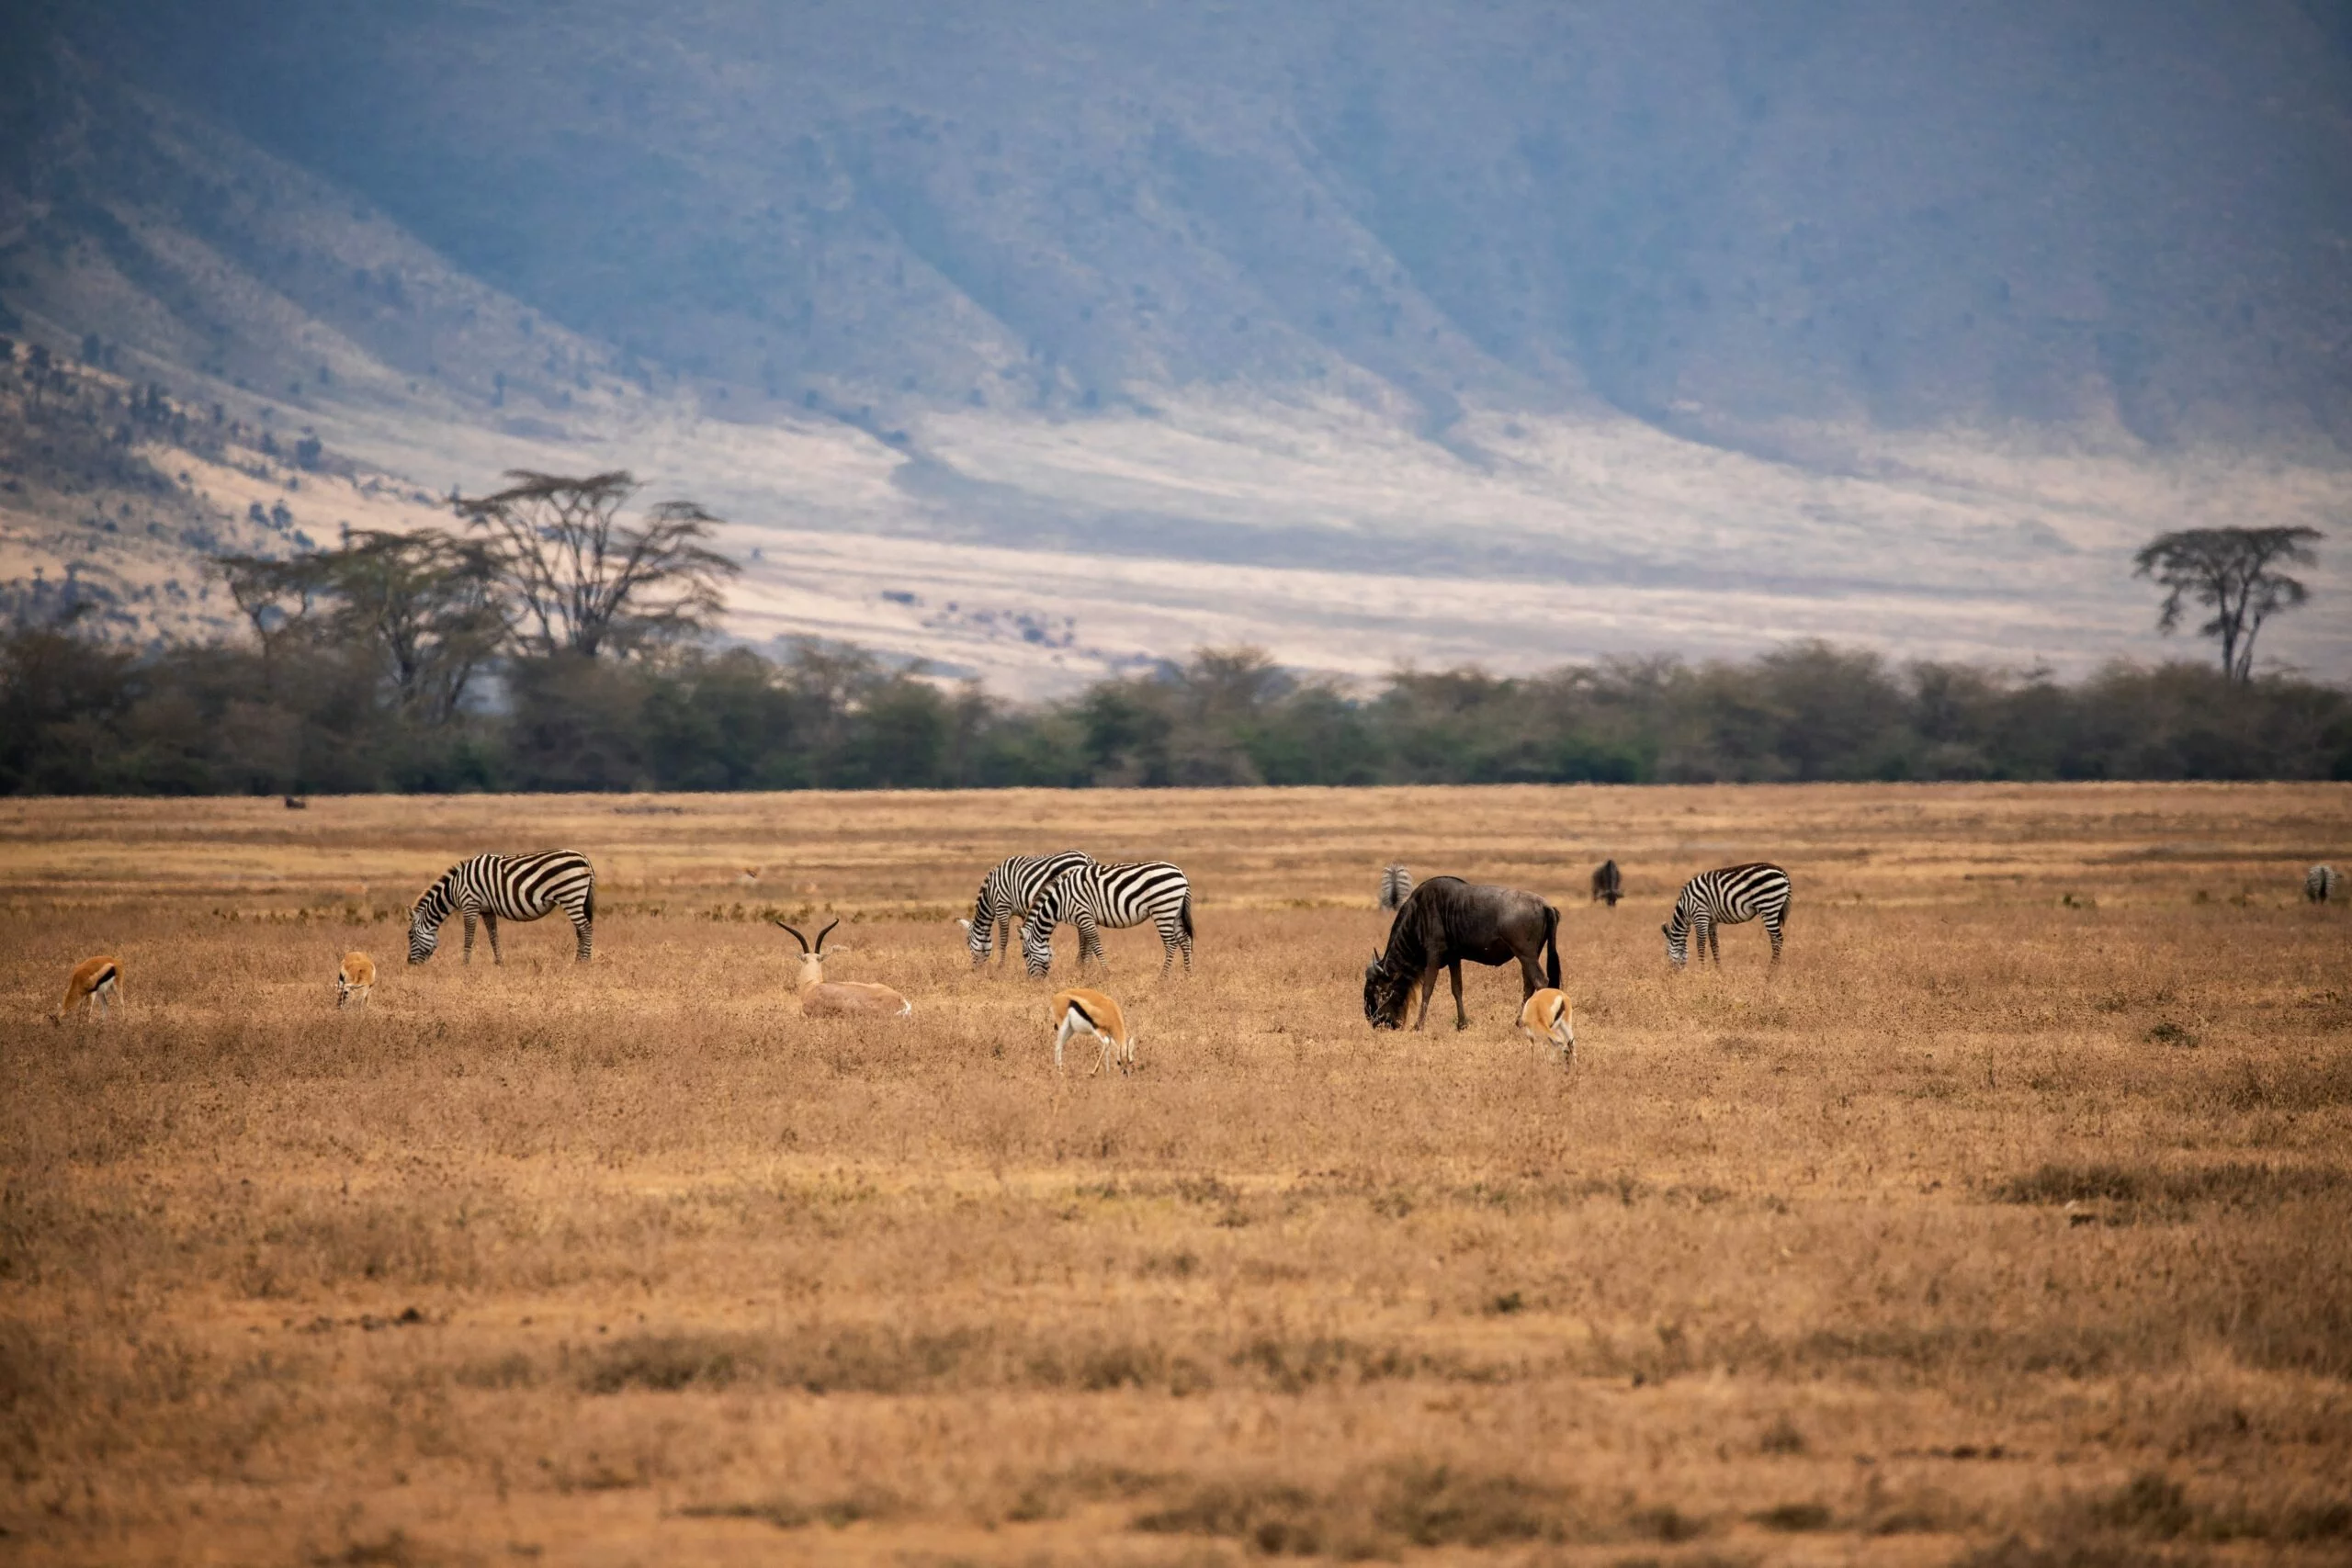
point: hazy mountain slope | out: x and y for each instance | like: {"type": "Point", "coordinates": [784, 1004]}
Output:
{"type": "Point", "coordinates": [1043, 348]}
{"type": "Point", "coordinates": [1715, 214]}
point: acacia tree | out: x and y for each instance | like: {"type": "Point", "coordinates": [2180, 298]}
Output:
{"type": "Point", "coordinates": [277, 596]}
{"type": "Point", "coordinates": [584, 582]}
{"type": "Point", "coordinates": [427, 604]}
{"type": "Point", "coordinates": [2234, 572]}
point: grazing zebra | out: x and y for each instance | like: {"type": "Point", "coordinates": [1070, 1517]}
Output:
{"type": "Point", "coordinates": [1727, 898]}
{"type": "Point", "coordinates": [1006, 894]}
{"type": "Point", "coordinates": [1092, 895]}
{"type": "Point", "coordinates": [2319, 884]}
{"type": "Point", "coordinates": [1396, 886]}
{"type": "Point", "coordinates": [1608, 881]}
{"type": "Point", "coordinates": [515, 888]}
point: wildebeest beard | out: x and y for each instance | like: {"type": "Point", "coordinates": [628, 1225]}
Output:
{"type": "Point", "coordinates": [1386, 996]}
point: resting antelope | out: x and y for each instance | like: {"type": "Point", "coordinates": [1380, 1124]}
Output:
{"type": "Point", "coordinates": [354, 979]}
{"type": "Point", "coordinates": [96, 983]}
{"type": "Point", "coordinates": [1549, 1019]}
{"type": "Point", "coordinates": [1091, 1012]}
{"type": "Point", "coordinates": [820, 997]}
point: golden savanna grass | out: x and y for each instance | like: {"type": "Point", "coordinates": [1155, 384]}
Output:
{"type": "Point", "coordinates": [2009, 1225]}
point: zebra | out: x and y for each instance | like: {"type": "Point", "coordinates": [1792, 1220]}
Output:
{"type": "Point", "coordinates": [1395, 883]}
{"type": "Point", "coordinates": [1005, 895]}
{"type": "Point", "coordinates": [1608, 883]}
{"type": "Point", "coordinates": [1093, 895]}
{"type": "Point", "coordinates": [1726, 897]}
{"type": "Point", "coordinates": [517, 887]}
{"type": "Point", "coordinates": [2319, 883]}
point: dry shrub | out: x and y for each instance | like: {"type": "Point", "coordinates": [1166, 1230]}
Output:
{"type": "Point", "coordinates": [785, 1513]}
{"type": "Point", "coordinates": [1413, 1503]}
{"type": "Point", "coordinates": [2232, 1184]}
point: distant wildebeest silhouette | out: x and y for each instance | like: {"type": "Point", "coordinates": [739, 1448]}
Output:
{"type": "Point", "coordinates": [1395, 883]}
{"type": "Point", "coordinates": [2319, 884]}
{"type": "Point", "coordinates": [1608, 883]}
{"type": "Point", "coordinates": [1446, 920]}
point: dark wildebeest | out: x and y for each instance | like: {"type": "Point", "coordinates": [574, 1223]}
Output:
{"type": "Point", "coordinates": [1608, 883]}
{"type": "Point", "coordinates": [1446, 920]}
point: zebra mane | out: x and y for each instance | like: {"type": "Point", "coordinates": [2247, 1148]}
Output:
{"type": "Point", "coordinates": [435, 902]}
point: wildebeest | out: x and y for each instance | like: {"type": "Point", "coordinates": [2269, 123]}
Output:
{"type": "Point", "coordinates": [1395, 883]}
{"type": "Point", "coordinates": [1444, 922]}
{"type": "Point", "coordinates": [1608, 883]}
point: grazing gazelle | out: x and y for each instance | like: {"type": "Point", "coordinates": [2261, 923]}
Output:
{"type": "Point", "coordinates": [354, 979]}
{"type": "Point", "coordinates": [1549, 1019]}
{"type": "Point", "coordinates": [820, 997]}
{"type": "Point", "coordinates": [1091, 1012]}
{"type": "Point", "coordinates": [96, 983]}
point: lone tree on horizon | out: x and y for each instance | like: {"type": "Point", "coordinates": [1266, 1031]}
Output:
{"type": "Point", "coordinates": [2231, 572]}
{"type": "Point", "coordinates": [584, 580]}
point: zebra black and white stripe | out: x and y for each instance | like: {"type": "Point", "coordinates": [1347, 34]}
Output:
{"type": "Point", "coordinates": [512, 887]}
{"type": "Point", "coordinates": [1729, 896]}
{"type": "Point", "coordinates": [1092, 896]}
{"type": "Point", "coordinates": [1005, 895]}
{"type": "Point", "coordinates": [1396, 886]}
{"type": "Point", "coordinates": [2319, 883]}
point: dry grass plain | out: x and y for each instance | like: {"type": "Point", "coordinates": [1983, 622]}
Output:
{"type": "Point", "coordinates": [2009, 1225]}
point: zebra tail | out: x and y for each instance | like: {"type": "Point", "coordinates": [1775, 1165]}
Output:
{"type": "Point", "coordinates": [1552, 947]}
{"type": "Point", "coordinates": [588, 904]}
{"type": "Point", "coordinates": [1185, 914]}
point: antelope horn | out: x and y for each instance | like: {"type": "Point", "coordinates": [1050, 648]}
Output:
{"type": "Point", "coordinates": [796, 935]}
{"type": "Point", "coordinates": [826, 933]}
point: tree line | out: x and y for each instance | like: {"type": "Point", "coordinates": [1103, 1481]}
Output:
{"type": "Point", "coordinates": [552, 643]}
{"type": "Point", "coordinates": [80, 715]}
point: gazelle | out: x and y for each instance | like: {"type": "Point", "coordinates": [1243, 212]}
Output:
{"type": "Point", "coordinates": [354, 979]}
{"type": "Point", "coordinates": [1549, 1019]}
{"type": "Point", "coordinates": [820, 997]}
{"type": "Point", "coordinates": [96, 983]}
{"type": "Point", "coordinates": [1091, 1012]}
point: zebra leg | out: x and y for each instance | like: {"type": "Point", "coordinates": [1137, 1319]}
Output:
{"type": "Point", "coordinates": [490, 930]}
{"type": "Point", "coordinates": [1089, 942]}
{"type": "Point", "coordinates": [1461, 1019]}
{"type": "Point", "coordinates": [469, 936]}
{"type": "Point", "coordinates": [1772, 929]}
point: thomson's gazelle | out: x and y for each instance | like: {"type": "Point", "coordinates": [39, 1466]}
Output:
{"type": "Point", "coordinates": [354, 979]}
{"type": "Point", "coordinates": [1549, 1019]}
{"type": "Point", "coordinates": [96, 983]}
{"type": "Point", "coordinates": [1091, 1012]}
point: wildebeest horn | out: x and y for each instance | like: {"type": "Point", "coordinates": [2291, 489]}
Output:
{"type": "Point", "coordinates": [796, 935]}
{"type": "Point", "coordinates": [826, 933]}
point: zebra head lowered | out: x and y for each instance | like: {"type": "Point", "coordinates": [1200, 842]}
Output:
{"type": "Point", "coordinates": [425, 921]}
